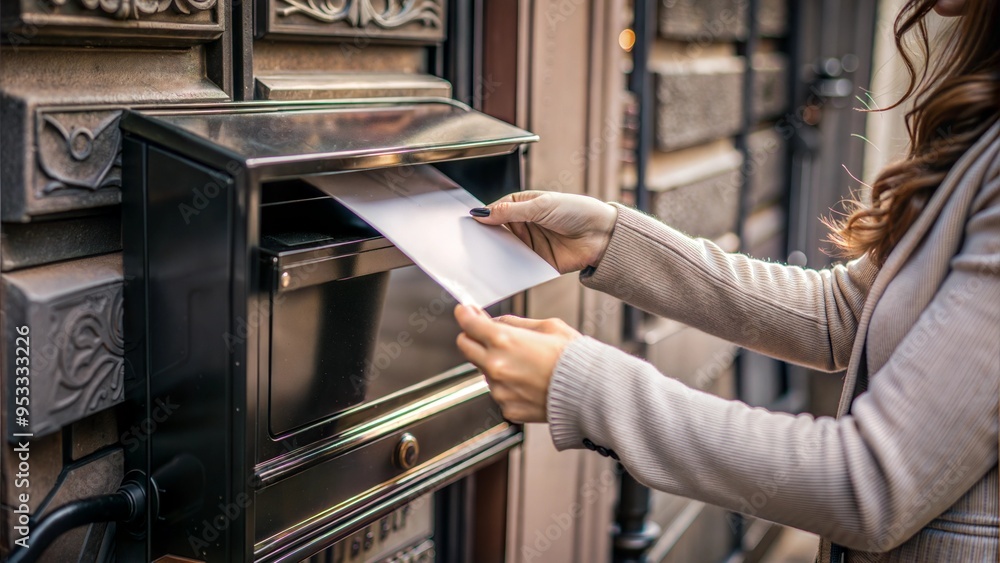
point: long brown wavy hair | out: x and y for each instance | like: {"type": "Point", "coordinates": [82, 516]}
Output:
{"type": "Point", "coordinates": [956, 97]}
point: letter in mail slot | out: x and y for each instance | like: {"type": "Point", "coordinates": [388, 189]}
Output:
{"type": "Point", "coordinates": [426, 215]}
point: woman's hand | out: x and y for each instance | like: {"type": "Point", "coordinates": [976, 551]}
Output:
{"type": "Point", "coordinates": [569, 231]}
{"type": "Point", "coordinates": [517, 356]}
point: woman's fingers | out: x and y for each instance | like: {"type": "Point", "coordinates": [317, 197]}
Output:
{"type": "Point", "coordinates": [478, 325]}
{"type": "Point", "coordinates": [472, 350]}
{"type": "Point", "coordinates": [520, 230]}
{"type": "Point", "coordinates": [491, 219]}
{"type": "Point", "coordinates": [521, 322]}
{"type": "Point", "coordinates": [517, 356]}
{"type": "Point", "coordinates": [518, 207]}
{"type": "Point", "coordinates": [545, 326]}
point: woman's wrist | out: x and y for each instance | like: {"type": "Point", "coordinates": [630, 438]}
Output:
{"type": "Point", "coordinates": [606, 228]}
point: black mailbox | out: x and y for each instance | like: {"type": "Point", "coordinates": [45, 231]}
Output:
{"type": "Point", "coordinates": [309, 368]}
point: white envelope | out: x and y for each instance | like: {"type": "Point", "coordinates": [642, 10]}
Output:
{"type": "Point", "coordinates": [426, 215]}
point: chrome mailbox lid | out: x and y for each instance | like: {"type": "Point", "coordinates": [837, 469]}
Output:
{"type": "Point", "coordinates": [283, 140]}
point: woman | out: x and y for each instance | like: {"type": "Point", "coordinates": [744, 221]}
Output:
{"type": "Point", "coordinates": [908, 471]}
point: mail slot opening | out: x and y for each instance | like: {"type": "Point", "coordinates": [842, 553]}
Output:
{"type": "Point", "coordinates": [295, 214]}
{"type": "Point", "coordinates": [352, 322]}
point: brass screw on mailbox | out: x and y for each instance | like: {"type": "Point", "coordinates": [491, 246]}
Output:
{"type": "Point", "coordinates": [407, 451]}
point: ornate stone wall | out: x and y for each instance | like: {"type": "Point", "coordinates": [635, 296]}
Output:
{"type": "Point", "coordinates": [70, 69]}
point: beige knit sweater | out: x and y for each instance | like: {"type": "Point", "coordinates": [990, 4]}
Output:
{"type": "Point", "coordinates": [908, 471]}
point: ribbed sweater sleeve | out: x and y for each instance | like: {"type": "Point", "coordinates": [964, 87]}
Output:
{"type": "Point", "coordinates": [803, 316]}
{"type": "Point", "coordinates": [869, 480]}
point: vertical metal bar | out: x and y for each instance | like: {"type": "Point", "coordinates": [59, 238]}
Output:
{"type": "Point", "coordinates": [641, 85]}
{"type": "Point", "coordinates": [748, 48]}
{"type": "Point", "coordinates": [241, 18]}
{"type": "Point", "coordinates": [453, 522]}
{"type": "Point", "coordinates": [478, 78]}
{"type": "Point", "coordinates": [458, 51]}
{"type": "Point", "coordinates": [633, 534]}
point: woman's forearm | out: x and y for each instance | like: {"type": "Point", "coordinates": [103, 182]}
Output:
{"type": "Point", "coordinates": [842, 479]}
{"type": "Point", "coordinates": [803, 316]}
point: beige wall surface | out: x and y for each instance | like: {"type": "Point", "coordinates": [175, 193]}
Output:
{"type": "Point", "coordinates": [886, 130]}
{"type": "Point", "coordinates": [575, 94]}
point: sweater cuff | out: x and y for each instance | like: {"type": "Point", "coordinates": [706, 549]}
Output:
{"type": "Point", "coordinates": [569, 390]}
{"type": "Point", "coordinates": [585, 383]}
{"type": "Point", "coordinates": [632, 239]}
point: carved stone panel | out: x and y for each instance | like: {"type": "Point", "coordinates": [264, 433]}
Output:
{"type": "Point", "coordinates": [73, 311]}
{"type": "Point", "coordinates": [75, 163]}
{"type": "Point", "coordinates": [364, 20]}
{"type": "Point", "coordinates": [78, 150]}
{"type": "Point", "coordinates": [60, 111]}
{"type": "Point", "coordinates": [137, 22]}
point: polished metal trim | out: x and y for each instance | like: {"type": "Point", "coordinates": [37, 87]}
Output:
{"type": "Point", "coordinates": [306, 273]}
{"type": "Point", "coordinates": [142, 121]}
{"type": "Point", "coordinates": [276, 469]}
{"type": "Point", "coordinates": [325, 250]}
{"type": "Point", "coordinates": [391, 402]}
{"type": "Point", "coordinates": [295, 544]}
{"type": "Point", "coordinates": [290, 105]}
{"type": "Point", "coordinates": [296, 166]}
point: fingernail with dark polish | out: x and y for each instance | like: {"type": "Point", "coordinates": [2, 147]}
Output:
{"type": "Point", "coordinates": [480, 212]}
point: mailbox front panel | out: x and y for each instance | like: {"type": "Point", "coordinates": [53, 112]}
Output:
{"type": "Point", "coordinates": [309, 368]}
